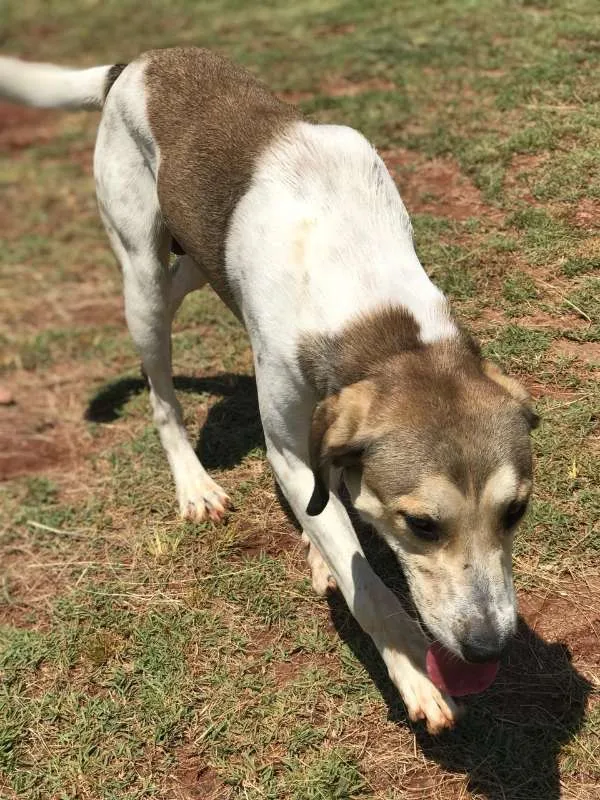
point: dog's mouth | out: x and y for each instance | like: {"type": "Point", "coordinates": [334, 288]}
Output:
{"type": "Point", "coordinates": [457, 677]}
{"type": "Point", "coordinates": [447, 670]}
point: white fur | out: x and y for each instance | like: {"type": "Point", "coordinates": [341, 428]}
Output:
{"type": "Point", "coordinates": [338, 240]}
{"type": "Point", "coordinates": [321, 236]}
{"type": "Point", "coordinates": [127, 156]}
{"type": "Point", "coordinates": [49, 86]}
{"type": "Point", "coordinates": [501, 487]}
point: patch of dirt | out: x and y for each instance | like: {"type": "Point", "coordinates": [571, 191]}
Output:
{"type": "Point", "coordinates": [538, 390]}
{"type": "Point", "coordinates": [339, 29]}
{"type": "Point", "coordinates": [262, 525]}
{"type": "Point", "coordinates": [342, 87]}
{"type": "Point", "coordinates": [259, 640]}
{"type": "Point", "coordinates": [6, 396]}
{"type": "Point", "coordinates": [257, 540]}
{"type": "Point", "coordinates": [521, 169]}
{"type": "Point", "coordinates": [28, 593]}
{"type": "Point", "coordinates": [589, 247]}
{"type": "Point", "coordinates": [536, 320]}
{"type": "Point", "coordinates": [24, 451]}
{"type": "Point", "coordinates": [527, 162]}
{"type": "Point", "coordinates": [391, 757]}
{"type": "Point", "coordinates": [285, 672]}
{"type": "Point", "coordinates": [490, 316]}
{"type": "Point", "coordinates": [45, 429]}
{"type": "Point", "coordinates": [83, 155]}
{"type": "Point", "coordinates": [22, 127]}
{"type": "Point", "coordinates": [71, 307]}
{"type": "Point", "coordinates": [338, 86]}
{"type": "Point", "coordinates": [586, 352]}
{"type": "Point", "coordinates": [44, 432]}
{"type": "Point", "coordinates": [193, 779]}
{"type": "Point", "coordinates": [437, 187]}
{"type": "Point", "coordinates": [587, 213]}
{"type": "Point", "coordinates": [39, 31]}
{"type": "Point", "coordinates": [571, 616]}
{"type": "Point", "coordinates": [295, 96]}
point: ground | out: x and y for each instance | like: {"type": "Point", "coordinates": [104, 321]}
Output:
{"type": "Point", "coordinates": [144, 657]}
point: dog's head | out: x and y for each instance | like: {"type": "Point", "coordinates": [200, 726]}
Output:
{"type": "Point", "coordinates": [436, 454]}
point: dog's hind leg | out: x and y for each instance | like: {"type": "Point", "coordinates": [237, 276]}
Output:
{"type": "Point", "coordinates": [129, 207]}
{"type": "Point", "coordinates": [186, 277]}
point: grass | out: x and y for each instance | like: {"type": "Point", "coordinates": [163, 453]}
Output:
{"type": "Point", "coordinates": [144, 657]}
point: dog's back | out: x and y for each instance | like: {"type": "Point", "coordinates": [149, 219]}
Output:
{"type": "Point", "coordinates": [211, 120]}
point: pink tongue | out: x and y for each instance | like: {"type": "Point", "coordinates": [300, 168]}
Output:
{"type": "Point", "coordinates": [456, 677]}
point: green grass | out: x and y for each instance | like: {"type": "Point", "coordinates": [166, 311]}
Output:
{"type": "Point", "coordinates": [142, 657]}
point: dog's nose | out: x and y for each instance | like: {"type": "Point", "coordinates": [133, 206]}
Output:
{"type": "Point", "coordinates": [483, 646]}
{"type": "Point", "coordinates": [478, 654]}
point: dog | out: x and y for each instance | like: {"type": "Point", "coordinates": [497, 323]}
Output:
{"type": "Point", "coordinates": [364, 376]}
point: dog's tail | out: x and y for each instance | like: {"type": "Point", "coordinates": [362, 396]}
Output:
{"type": "Point", "coordinates": [49, 86]}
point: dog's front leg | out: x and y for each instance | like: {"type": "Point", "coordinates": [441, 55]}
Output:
{"type": "Point", "coordinates": [377, 610]}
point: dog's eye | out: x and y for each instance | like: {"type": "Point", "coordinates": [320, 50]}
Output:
{"type": "Point", "coordinates": [424, 528]}
{"type": "Point", "coordinates": [513, 513]}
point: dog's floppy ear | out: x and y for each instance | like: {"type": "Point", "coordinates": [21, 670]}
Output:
{"type": "Point", "coordinates": [515, 390]}
{"type": "Point", "coordinates": [338, 437]}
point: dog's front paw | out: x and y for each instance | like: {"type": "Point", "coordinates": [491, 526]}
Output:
{"type": "Point", "coordinates": [204, 500]}
{"type": "Point", "coordinates": [423, 700]}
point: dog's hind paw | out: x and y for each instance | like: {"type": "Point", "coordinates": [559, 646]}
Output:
{"type": "Point", "coordinates": [322, 579]}
{"type": "Point", "coordinates": [206, 501]}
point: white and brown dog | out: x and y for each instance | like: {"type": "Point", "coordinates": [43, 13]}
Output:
{"type": "Point", "coordinates": [363, 374]}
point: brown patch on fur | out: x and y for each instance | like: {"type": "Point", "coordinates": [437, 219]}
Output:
{"type": "Point", "coordinates": [400, 409]}
{"type": "Point", "coordinates": [340, 430]}
{"type": "Point", "coordinates": [212, 120]}
{"type": "Point", "coordinates": [445, 417]}
{"type": "Point", "coordinates": [515, 389]}
{"type": "Point", "coordinates": [332, 362]}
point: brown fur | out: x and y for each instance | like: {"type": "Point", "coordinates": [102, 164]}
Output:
{"type": "Point", "coordinates": [340, 430]}
{"type": "Point", "coordinates": [514, 388]}
{"type": "Point", "coordinates": [211, 120]}
{"type": "Point", "coordinates": [332, 362]}
{"type": "Point", "coordinates": [410, 410]}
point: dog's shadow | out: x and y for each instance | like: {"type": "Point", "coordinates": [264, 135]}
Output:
{"type": "Point", "coordinates": [232, 427]}
{"type": "Point", "coordinates": [508, 741]}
